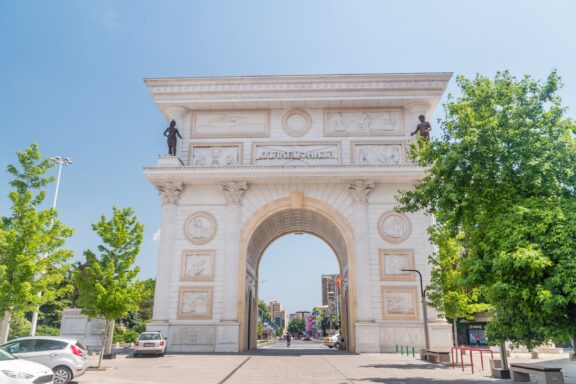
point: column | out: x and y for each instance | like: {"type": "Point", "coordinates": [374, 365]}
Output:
{"type": "Point", "coordinates": [359, 190]}
{"type": "Point", "coordinates": [170, 193]}
{"type": "Point", "coordinates": [234, 192]}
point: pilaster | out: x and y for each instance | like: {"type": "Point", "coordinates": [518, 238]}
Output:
{"type": "Point", "coordinates": [170, 193]}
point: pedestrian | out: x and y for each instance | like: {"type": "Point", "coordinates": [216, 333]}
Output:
{"type": "Point", "coordinates": [477, 340]}
{"type": "Point", "coordinates": [288, 338]}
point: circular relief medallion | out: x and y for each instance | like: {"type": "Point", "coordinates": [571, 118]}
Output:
{"type": "Point", "coordinates": [200, 228]}
{"type": "Point", "coordinates": [296, 122]}
{"type": "Point", "coordinates": [394, 227]}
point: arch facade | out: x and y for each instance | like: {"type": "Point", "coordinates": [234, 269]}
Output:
{"type": "Point", "coordinates": [262, 157]}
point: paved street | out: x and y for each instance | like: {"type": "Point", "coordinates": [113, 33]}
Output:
{"type": "Point", "coordinates": [304, 362]}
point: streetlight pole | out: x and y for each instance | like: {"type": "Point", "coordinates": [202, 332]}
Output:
{"type": "Point", "coordinates": [424, 309]}
{"type": "Point", "coordinates": [60, 161]}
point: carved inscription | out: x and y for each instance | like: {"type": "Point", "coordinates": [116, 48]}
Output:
{"type": "Point", "coordinates": [366, 122]}
{"type": "Point", "coordinates": [305, 154]}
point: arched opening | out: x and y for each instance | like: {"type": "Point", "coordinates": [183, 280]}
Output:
{"type": "Point", "coordinates": [284, 217]}
{"type": "Point", "coordinates": [300, 273]}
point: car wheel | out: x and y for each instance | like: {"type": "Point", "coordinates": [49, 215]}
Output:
{"type": "Point", "coordinates": [337, 346]}
{"type": "Point", "coordinates": [62, 375]}
{"type": "Point", "coordinates": [330, 346]}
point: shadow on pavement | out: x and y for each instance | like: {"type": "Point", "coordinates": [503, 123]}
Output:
{"type": "Point", "coordinates": [297, 352]}
{"type": "Point", "coordinates": [406, 366]}
{"type": "Point", "coordinates": [422, 380]}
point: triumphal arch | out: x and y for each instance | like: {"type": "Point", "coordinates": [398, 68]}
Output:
{"type": "Point", "coordinates": [265, 156]}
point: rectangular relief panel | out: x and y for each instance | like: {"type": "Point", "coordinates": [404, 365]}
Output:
{"type": "Point", "coordinates": [399, 303]}
{"type": "Point", "coordinates": [195, 303]}
{"type": "Point", "coordinates": [216, 154]}
{"type": "Point", "coordinates": [198, 265]}
{"type": "Point", "coordinates": [363, 122]}
{"type": "Point", "coordinates": [393, 261]}
{"type": "Point", "coordinates": [206, 124]}
{"type": "Point", "coordinates": [378, 153]}
{"type": "Point", "coordinates": [307, 153]}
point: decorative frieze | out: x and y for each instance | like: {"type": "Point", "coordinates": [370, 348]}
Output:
{"type": "Point", "coordinates": [231, 124]}
{"type": "Point", "coordinates": [363, 122]}
{"type": "Point", "coordinates": [360, 189]}
{"type": "Point", "coordinates": [170, 192]}
{"type": "Point", "coordinates": [300, 154]}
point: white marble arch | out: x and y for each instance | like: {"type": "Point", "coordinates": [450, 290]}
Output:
{"type": "Point", "coordinates": [249, 203]}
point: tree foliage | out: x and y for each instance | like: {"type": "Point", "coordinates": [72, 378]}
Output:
{"type": "Point", "coordinates": [32, 257]}
{"type": "Point", "coordinates": [501, 183]}
{"type": "Point", "coordinates": [296, 326]}
{"type": "Point", "coordinates": [263, 311]}
{"type": "Point", "coordinates": [107, 285]}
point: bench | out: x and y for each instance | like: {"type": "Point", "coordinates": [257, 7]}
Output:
{"type": "Point", "coordinates": [438, 355]}
{"type": "Point", "coordinates": [522, 372]}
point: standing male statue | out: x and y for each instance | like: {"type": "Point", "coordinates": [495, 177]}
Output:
{"type": "Point", "coordinates": [423, 129]}
{"type": "Point", "coordinates": [171, 132]}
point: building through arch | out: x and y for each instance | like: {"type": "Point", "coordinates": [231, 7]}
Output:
{"type": "Point", "coordinates": [262, 157]}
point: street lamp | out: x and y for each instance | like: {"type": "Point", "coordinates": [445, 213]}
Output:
{"type": "Point", "coordinates": [60, 161]}
{"type": "Point", "coordinates": [424, 310]}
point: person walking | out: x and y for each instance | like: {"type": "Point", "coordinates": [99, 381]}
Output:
{"type": "Point", "coordinates": [288, 339]}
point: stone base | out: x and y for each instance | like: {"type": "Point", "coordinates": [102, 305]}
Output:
{"type": "Point", "coordinates": [76, 325]}
{"type": "Point", "coordinates": [500, 373]}
{"type": "Point", "coordinates": [412, 335]}
{"type": "Point", "coordinates": [198, 337]}
{"type": "Point", "coordinates": [169, 161]}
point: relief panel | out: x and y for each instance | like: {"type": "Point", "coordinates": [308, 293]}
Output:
{"type": "Point", "coordinates": [215, 155]}
{"type": "Point", "coordinates": [200, 228]}
{"type": "Point", "coordinates": [195, 303]}
{"type": "Point", "coordinates": [393, 261]}
{"type": "Point", "coordinates": [231, 124]}
{"type": "Point", "coordinates": [198, 265]}
{"type": "Point", "coordinates": [394, 227]}
{"type": "Point", "coordinates": [378, 153]}
{"type": "Point", "coordinates": [399, 303]}
{"type": "Point", "coordinates": [363, 122]}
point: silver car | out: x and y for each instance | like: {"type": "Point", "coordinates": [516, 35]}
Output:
{"type": "Point", "coordinates": [66, 357]}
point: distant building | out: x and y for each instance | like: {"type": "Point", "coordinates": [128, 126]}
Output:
{"type": "Point", "coordinates": [328, 285]}
{"type": "Point", "coordinates": [278, 314]}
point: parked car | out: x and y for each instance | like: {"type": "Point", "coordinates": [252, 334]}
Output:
{"type": "Point", "coordinates": [150, 342]}
{"type": "Point", "coordinates": [334, 341]}
{"type": "Point", "coordinates": [14, 370]}
{"type": "Point", "coordinates": [66, 357]}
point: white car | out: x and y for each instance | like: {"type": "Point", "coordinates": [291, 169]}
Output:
{"type": "Point", "coordinates": [14, 370]}
{"type": "Point", "coordinates": [334, 341]}
{"type": "Point", "coordinates": [150, 343]}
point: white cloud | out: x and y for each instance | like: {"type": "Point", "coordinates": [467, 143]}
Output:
{"type": "Point", "coordinates": [108, 17]}
{"type": "Point", "coordinates": [156, 236]}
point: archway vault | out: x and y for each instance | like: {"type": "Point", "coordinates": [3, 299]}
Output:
{"type": "Point", "coordinates": [282, 217]}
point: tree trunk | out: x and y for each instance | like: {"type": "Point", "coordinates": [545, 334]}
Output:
{"type": "Point", "coordinates": [109, 337]}
{"type": "Point", "coordinates": [5, 327]}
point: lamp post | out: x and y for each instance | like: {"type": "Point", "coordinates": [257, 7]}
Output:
{"type": "Point", "coordinates": [424, 310]}
{"type": "Point", "coordinates": [60, 161]}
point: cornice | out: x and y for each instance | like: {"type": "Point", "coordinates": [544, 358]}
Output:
{"type": "Point", "coordinates": [280, 174]}
{"type": "Point", "coordinates": [387, 82]}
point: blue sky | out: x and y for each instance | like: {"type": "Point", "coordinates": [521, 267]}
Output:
{"type": "Point", "coordinates": [71, 78]}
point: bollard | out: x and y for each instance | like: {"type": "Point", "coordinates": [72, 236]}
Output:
{"type": "Point", "coordinates": [402, 350]}
{"type": "Point", "coordinates": [396, 348]}
{"type": "Point", "coordinates": [413, 354]}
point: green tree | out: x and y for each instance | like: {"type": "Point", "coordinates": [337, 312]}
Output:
{"type": "Point", "coordinates": [108, 285]}
{"type": "Point", "coordinates": [263, 311]}
{"type": "Point", "coordinates": [296, 326]}
{"type": "Point", "coordinates": [32, 259]}
{"type": "Point", "coordinates": [147, 302]}
{"type": "Point", "coordinates": [501, 182]}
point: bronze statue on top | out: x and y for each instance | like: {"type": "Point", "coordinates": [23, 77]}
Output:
{"type": "Point", "coordinates": [171, 132]}
{"type": "Point", "coordinates": [423, 129]}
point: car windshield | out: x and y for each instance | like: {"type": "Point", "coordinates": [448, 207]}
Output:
{"type": "Point", "coordinates": [149, 336]}
{"type": "Point", "coordinates": [6, 356]}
